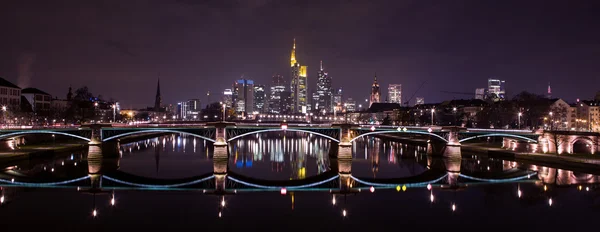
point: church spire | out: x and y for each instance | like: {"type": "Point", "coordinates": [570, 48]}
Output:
{"type": "Point", "coordinates": [293, 56]}
{"type": "Point", "coordinates": [158, 99]}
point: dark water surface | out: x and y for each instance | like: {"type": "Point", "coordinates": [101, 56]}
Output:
{"type": "Point", "coordinates": [554, 199]}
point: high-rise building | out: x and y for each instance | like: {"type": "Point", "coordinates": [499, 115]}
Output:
{"type": "Point", "coordinates": [395, 93]}
{"type": "Point", "coordinates": [259, 98]}
{"type": "Point", "coordinates": [298, 84]}
{"type": "Point", "coordinates": [275, 101]}
{"type": "Point", "coordinates": [549, 91]}
{"type": "Point", "coordinates": [193, 108]}
{"type": "Point", "coordinates": [315, 102]}
{"type": "Point", "coordinates": [375, 93]}
{"type": "Point", "coordinates": [420, 101]}
{"type": "Point", "coordinates": [496, 89]}
{"type": "Point", "coordinates": [337, 100]}
{"type": "Point", "coordinates": [228, 98]}
{"type": "Point", "coordinates": [480, 93]}
{"type": "Point", "coordinates": [350, 105]}
{"type": "Point", "coordinates": [243, 96]}
{"type": "Point", "coordinates": [324, 91]}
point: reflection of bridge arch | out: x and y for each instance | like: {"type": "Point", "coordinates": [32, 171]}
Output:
{"type": "Point", "coordinates": [428, 177]}
{"type": "Point", "coordinates": [26, 132]}
{"type": "Point", "coordinates": [499, 135]}
{"type": "Point", "coordinates": [156, 131]}
{"type": "Point", "coordinates": [284, 130]}
{"type": "Point", "coordinates": [127, 179]}
{"type": "Point", "coordinates": [405, 132]}
{"type": "Point", "coordinates": [314, 181]}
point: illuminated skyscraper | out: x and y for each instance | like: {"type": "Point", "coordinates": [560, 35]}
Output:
{"type": "Point", "coordinates": [243, 96]}
{"type": "Point", "coordinates": [496, 89]}
{"type": "Point", "coordinates": [259, 98]}
{"type": "Point", "coordinates": [324, 91]}
{"type": "Point", "coordinates": [375, 93]}
{"type": "Point", "coordinates": [480, 93]}
{"type": "Point", "coordinates": [227, 97]}
{"type": "Point", "coordinates": [337, 99]}
{"type": "Point", "coordinates": [395, 93]}
{"type": "Point", "coordinates": [276, 103]}
{"type": "Point", "coordinates": [298, 84]}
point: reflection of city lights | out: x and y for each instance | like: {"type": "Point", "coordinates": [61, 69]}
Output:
{"type": "Point", "coordinates": [587, 189]}
{"type": "Point", "coordinates": [94, 213]}
{"type": "Point", "coordinates": [545, 188]}
{"type": "Point", "coordinates": [333, 200]}
{"type": "Point", "coordinates": [223, 202]}
{"type": "Point", "coordinates": [550, 202]}
{"type": "Point", "coordinates": [372, 189]}
{"type": "Point", "coordinates": [519, 193]}
{"type": "Point", "coordinates": [2, 199]}
{"type": "Point", "coordinates": [344, 212]}
{"type": "Point", "coordinates": [112, 201]}
{"type": "Point", "coordinates": [453, 207]}
{"type": "Point", "coordinates": [283, 191]}
{"type": "Point", "coordinates": [431, 197]}
{"type": "Point", "coordinates": [579, 187]}
{"type": "Point", "coordinates": [428, 186]}
{"type": "Point", "coordinates": [220, 214]}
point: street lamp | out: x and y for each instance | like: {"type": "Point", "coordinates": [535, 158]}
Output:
{"type": "Point", "coordinates": [224, 106]}
{"type": "Point", "coordinates": [432, 111]}
{"type": "Point", "coordinates": [520, 120]}
{"type": "Point", "coordinates": [454, 112]}
{"type": "Point", "coordinates": [551, 121]}
{"type": "Point", "coordinates": [114, 112]}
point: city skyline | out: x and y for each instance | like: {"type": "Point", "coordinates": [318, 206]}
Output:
{"type": "Point", "coordinates": [192, 62]}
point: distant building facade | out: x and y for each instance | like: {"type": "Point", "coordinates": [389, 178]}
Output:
{"type": "Point", "coordinates": [496, 91]}
{"type": "Point", "coordinates": [395, 93]}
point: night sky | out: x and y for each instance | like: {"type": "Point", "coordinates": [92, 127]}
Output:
{"type": "Point", "coordinates": [120, 48]}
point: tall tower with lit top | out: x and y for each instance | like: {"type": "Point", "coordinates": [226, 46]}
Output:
{"type": "Point", "coordinates": [375, 93]}
{"type": "Point", "coordinates": [298, 84]}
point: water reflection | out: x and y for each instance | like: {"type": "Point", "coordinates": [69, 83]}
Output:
{"type": "Point", "coordinates": [562, 191]}
{"type": "Point", "coordinates": [280, 156]}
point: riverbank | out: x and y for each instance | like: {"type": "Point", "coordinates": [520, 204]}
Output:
{"type": "Point", "coordinates": [586, 163]}
{"type": "Point", "coordinates": [582, 163]}
{"type": "Point", "coordinates": [39, 151]}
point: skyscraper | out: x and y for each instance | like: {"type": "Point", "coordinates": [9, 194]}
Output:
{"type": "Point", "coordinates": [395, 93]}
{"type": "Point", "coordinates": [324, 91]}
{"type": "Point", "coordinates": [298, 83]}
{"type": "Point", "coordinates": [337, 100]}
{"type": "Point", "coordinates": [276, 103]}
{"type": "Point", "coordinates": [480, 93]}
{"type": "Point", "coordinates": [375, 93]}
{"type": "Point", "coordinates": [243, 96]}
{"type": "Point", "coordinates": [259, 98]}
{"type": "Point", "coordinates": [228, 98]}
{"type": "Point", "coordinates": [496, 89]}
{"type": "Point", "coordinates": [158, 99]}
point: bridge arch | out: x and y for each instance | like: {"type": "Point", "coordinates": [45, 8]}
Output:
{"type": "Point", "coordinates": [499, 135]}
{"type": "Point", "coordinates": [155, 131]}
{"type": "Point", "coordinates": [588, 141]}
{"type": "Point", "coordinates": [404, 132]}
{"type": "Point", "coordinates": [279, 129]}
{"type": "Point", "coordinates": [26, 132]}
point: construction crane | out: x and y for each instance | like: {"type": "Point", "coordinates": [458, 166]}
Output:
{"type": "Point", "coordinates": [448, 92]}
{"type": "Point", "coordinates": [413, 95]}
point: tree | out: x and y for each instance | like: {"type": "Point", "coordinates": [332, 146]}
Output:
{"type": "Point", "coordinates": [81, 106]}
{"type": "Point", "coordinates": [533, 108]}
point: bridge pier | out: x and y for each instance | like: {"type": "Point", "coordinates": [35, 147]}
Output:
{"type": "Point", "coordinates": [96, 134]}
{"type": "Point", "coordinates": [443, 150]}
{"type": "Point", "coordinates": [453, 138]}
